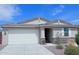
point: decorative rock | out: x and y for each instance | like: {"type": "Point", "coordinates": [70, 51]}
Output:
{"type": "Point", "coordinates": [72, 43]}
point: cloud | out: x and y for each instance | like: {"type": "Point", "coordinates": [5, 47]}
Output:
{"type": "Point", "coordinates": [8, 11]}
{"type": "Point", "coordinates": [75, 21]}
{"type": "Point", "coordinates": [58, 10]}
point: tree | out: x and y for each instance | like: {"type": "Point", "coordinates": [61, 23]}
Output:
{"type": "Point", "coordinates": [77, 38]}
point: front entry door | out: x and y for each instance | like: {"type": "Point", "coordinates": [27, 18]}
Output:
{"type": "Point", "coordinates": [0, 37]}
{"type": "Point", "coordinates": [48, 35]}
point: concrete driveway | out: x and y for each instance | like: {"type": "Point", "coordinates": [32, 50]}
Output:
{"type": "Point", "coordinates": [25, 49]}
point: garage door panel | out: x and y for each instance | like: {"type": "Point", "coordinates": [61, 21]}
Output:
{"type": "Point", "coordinates": [25, 36]}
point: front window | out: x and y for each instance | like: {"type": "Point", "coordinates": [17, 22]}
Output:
{"type": "Point", "coordinates": [66, 31]}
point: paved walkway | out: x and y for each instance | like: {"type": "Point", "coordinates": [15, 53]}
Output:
{"type": "Point", "coordinates": [22, 49]}
{"type": "Point", "coordinates": [53, 49]}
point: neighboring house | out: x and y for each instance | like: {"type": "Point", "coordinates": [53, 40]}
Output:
{"type": "Point", "coordinates": [37, 31]}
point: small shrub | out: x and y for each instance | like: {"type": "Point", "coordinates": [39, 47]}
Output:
{"type": "Point", "coordinates": [71, 50]}
{"type": "Point", "coordinates": [59, 46]}
{"type": "Point", "coordinates": [77, 38]}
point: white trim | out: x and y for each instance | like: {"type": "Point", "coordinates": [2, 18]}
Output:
{"type": "Point", "coordinates": [69, 32]}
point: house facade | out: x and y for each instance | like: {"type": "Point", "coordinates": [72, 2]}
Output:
{"type": "Point", "coordinates": [37, 31]}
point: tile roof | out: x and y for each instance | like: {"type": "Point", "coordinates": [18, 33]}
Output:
{"type": "Point", "coordinates": [28, 20]}
{"type": "Point", "coordinates": [21, 25]}
{"type": "Point", "coordinates": [49, 24]}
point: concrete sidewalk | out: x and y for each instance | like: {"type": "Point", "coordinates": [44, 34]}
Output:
{"type": "Point", "coordinates": [25, 49]}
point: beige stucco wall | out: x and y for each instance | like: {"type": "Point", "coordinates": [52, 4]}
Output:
{"type": "Point", "coordinates": [55, 32]}
{"type": "Point", "coordinates": [42, 33]}
{"type": "Point", "coordinates": [72, 32]}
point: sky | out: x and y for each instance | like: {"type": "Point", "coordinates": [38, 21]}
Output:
{"type": "Point", "coordinates": [14, 13]}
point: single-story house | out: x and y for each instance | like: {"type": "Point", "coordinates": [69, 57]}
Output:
{"type": "Point", "coordinates": [37, 31]}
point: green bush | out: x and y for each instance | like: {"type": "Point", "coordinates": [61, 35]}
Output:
{"type": "Point", "coordinates": [71, 50]}
{"type": "Point", "coordinates": [77, 38]}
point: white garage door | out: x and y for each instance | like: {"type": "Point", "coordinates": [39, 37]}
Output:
{"type": "Point", "coordinates": [23, 36]}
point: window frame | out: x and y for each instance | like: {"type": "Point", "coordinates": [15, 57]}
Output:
{"type": "Point", "coordinates": [66, 31]}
